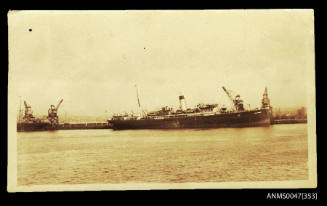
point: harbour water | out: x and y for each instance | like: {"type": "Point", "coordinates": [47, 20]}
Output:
{"type": "Point", "coordinates": [278, 152]}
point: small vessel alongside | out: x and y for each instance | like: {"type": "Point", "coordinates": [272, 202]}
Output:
{"type": "Point", "coordinates": [30, 123]}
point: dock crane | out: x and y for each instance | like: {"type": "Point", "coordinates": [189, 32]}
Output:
{"type": "Point", "coordinates": [53, 114]}
{"type": "Point", "coordinates": [28, 116]}
{"type": "Point", "coordinates": [237, 101]}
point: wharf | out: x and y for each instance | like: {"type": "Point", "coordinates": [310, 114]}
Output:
{"type": "Point", "coordinates": [288, 121]}
{"type": "Point", "coordinates": [72, 126]}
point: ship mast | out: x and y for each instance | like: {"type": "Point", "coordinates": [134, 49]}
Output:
{"type": "Point", "coordinates": [137, 96]}
{"type": "Point", "coordinates": [138, 99]}
{"type": "Point", "coordinates": [20, 109]}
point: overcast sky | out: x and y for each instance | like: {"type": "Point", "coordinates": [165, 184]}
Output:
{"type": "Point", "coordinates": [93, 59]}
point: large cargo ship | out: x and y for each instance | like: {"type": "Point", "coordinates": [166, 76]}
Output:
{"type": "Point", "coordinates": [202, 116]}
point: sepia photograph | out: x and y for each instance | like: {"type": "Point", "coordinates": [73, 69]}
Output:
{"type": "Point", "coordinates": [161, 99]}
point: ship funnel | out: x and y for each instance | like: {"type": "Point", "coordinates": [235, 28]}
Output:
{"type": "Point", "coordinates": [182, 103]}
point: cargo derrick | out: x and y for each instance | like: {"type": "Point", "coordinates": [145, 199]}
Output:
{"type": "Point", "coordinates": [53, 114]}
{"type": "Point", "coordinates": [237, 101]}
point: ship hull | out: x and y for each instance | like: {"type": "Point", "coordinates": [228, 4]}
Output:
{"type": "Point", "coordinates": [25, 127]}
{"type": "Point", "coordinates": [252, 118]}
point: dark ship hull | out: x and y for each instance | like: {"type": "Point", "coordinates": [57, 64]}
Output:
{"type": "Point", "coordinates": [251, 118]}
{"type": "Point", "coordinates": [40, 126]}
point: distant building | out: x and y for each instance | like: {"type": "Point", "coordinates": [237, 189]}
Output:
{"type": "Point", "coordinates": [301, 113]}
{"type": "Point", "coordinates": [290, 114]}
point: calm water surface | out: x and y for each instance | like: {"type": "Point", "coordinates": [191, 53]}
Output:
{"type": "Point", "coordinates": [278, 152]}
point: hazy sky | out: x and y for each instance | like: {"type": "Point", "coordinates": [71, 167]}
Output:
{"type": "Point", "coordinates": [93, 59]}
